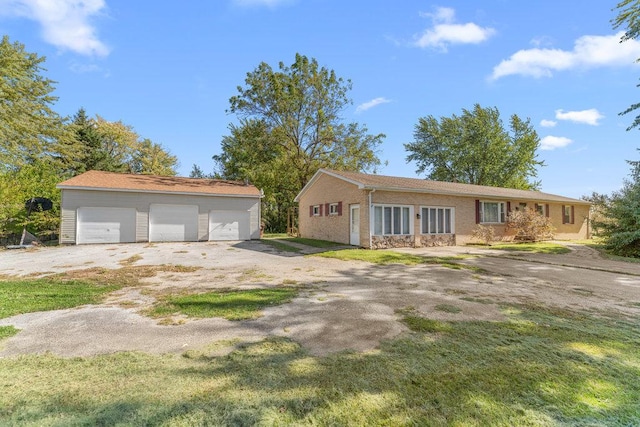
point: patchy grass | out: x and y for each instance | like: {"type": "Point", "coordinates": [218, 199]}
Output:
{"type": "Point", "coordinates": [27, 296]}
{"type": "Point", "coordinates": [283, 247]}
{"type": "Point", "coordinates": [537, 247]}
{"type": "Point", "coordinates": [385, 257]}
{"type": "Point", "coordinates": [7, 331]}
{"type": "Point", "coordinates": [538, 368]}
{"type": "Point", "coordinates": [313, 242]}
{"type": "Point", "coordinates": [274, 235]}
{"type": "Point", "coordinates": [228, 304]}
{"type": "Point", "coordinates": [599, 246]}
{"type": "Point", "coordinates": [448, 308]}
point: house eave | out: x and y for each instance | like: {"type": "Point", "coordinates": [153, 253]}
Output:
{"type": "Point", "coordinates": [181, 193]}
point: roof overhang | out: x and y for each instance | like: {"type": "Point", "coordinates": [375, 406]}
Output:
{"type": "Point", "coordinates": [180, 193]}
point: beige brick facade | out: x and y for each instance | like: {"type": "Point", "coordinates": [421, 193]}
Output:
{"type": "Point", "coordinates": [326, 189]}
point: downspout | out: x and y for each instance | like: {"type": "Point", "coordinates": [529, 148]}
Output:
{"type": "Point", "coordinates": [370, 217]}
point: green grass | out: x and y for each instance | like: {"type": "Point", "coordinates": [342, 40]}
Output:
{"type": "Point", "coordinates": [386, 257]}
{"type": "Point", "coordinates": [538, 367]}
{"type": "Point", "coordinates": [538, 247]}
{"type": "Point", "coordinates": [228, 304]}
{"type": "Point", "coordinates": [274, 235]}
{"type": "Point", "coordinates": [26, 296]}
{"type": "Point", "coordinates": [280, 246]}
{"type": "Point", "coordinates": [313, 242]}
{"type": "Point", "coordinates": [7, 331]}
{"type": "Point", "coordinates": [600, 247]}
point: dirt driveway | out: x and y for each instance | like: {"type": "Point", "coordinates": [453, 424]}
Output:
{"type": "Point", "coordinates": [343, 306]}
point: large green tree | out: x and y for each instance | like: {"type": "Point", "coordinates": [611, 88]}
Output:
{"type": "Point", "coordinates": [618, 219]}
{"type": "Point", "coordinates": [290, 125]}
{"type": "Point", "coordinates": [117, 147]}
{"type": "Point", "coordinates": [629, 19]}
{"type": "Point", "coordinates": [475, 148]}
{"type": "Point", "coordinates": [29, 128]}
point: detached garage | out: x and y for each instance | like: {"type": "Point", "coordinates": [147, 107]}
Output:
{"type": "Point", "coordinates": [106, 207]}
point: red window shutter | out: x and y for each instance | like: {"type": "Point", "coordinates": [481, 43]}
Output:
{"type": "Point", "coordinates": [326, 209]}
{"type": "Point", "coordinates": [339, 208]}
{"type": "Point", "coordinates": [508, 207]}
{"type": "Point", "coordinates": [563, 217]}
{"type": "Point", "coordinates": [572, 216]}
{"type": "Point", "coordinates": [546, 210]}
{"type": "Point", "coordinates": [311, 210]}
{"type": "Point", "coordinates": [320, 209]}
{"type": "Point", "coordinates": [535, 207]}
{"type": "Point", "coordinates": [477, 211]}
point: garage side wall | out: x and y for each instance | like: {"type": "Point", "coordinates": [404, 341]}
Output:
{"type": "Point", "coordinates": [74, 199]}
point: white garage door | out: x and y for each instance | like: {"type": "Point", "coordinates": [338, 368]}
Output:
{"type": "Point", "coordinates": [173, 223]}
{"type": "Point", "coordinates": [106, 225]}
{"type": "Point", "coordinates": [229, 225]}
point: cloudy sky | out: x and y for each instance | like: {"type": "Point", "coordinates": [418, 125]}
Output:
{"type": "Point", "coordinates": [169, 69]}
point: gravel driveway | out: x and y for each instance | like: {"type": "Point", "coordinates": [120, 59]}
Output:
{"type": "Point", "coordinates": [343, 306]}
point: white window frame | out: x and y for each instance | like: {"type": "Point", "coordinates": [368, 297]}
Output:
{"type": "Point", "coordinates": [502, 211]}
{"type": "Point", "coordinates": [405, 223]}
{"type": "Point", "coordinates": [333, 209]}
{"type": "Point", "coordinates": [316, 210]}
{"type": "Point", "coordinates": [452, 218]}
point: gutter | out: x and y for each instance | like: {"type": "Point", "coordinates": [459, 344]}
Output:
{"type": "Point", "coordinates": [373, 190]}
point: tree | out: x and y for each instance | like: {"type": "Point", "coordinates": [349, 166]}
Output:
{"type": "Point", "coordinates": [619, 223]}
{"type": "Point", "coordinates": [197, 172]}
{"type": "Point", "coordinates": [629, 18]}
{"type": "Point", "coordinates": [29, 128]}
{"type": "Point", "coordinates": [475, 148]}
{"type": "Point", "coordinates": [289, 127]}
{"type": "Point", "coordinates": [116, 147]}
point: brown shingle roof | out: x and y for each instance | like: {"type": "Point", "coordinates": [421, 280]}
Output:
{"type": "Point", "coordinates": [109, 181]}
{"type": "Point", "coordinates": [393, 183]}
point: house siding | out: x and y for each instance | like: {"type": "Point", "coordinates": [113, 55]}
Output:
{"type": "Point", "coordinates": [329, 189]}
{"type": "Point", "coordinates": [335, 228]}
{"type": "Point", "coordinates": [74, 199]}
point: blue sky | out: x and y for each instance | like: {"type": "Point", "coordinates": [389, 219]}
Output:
{"type": "Point", "coordinates": [169, 69]}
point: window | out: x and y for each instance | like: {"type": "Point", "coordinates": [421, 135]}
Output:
{"type": "Point", "coordinates": [333, 209]}
{"type": "Point", "coordinates": [492, 212]}
{"type": "Point", "coordinates": [567, 214]}
{"type": "Point", "coordinates": [316, 210]}
{"type": "Point", "coordinates": [542, 209]}
{"type": "Point", "coordinates": [389, 220]}
{"type": "Point", "coordinates": [437, 220]}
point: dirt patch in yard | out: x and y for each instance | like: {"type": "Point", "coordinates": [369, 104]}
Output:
{"type": "Point", "coordinates": [342, 305]}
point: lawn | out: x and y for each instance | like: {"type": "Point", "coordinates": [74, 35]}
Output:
{"type": "Point", "coordinates": [228, 304]}
{"type": "Point", "coordinates": [385, 257]}
{"type": "Point", "coordinates": [26, 296]}
{"type": "Point", "coordinates": [538, 367]}
{"type": "Point", "coordinates": [537, 247]}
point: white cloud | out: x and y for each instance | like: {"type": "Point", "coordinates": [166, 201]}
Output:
{"type": "Point", "coordinates": [370, 104]}
{"type": "Point", "coordinates": [547, 123]}
{"type": "Point", "coordinates": [553, 142]}
{"type": "Point", "coordinates": [588, 52]}
{"type": "Point", "coordinates": [446, 32]}
{"type": "Point", "coordinates": [65, 23]}
{"type": "Point", "coordinates": [589, 117]}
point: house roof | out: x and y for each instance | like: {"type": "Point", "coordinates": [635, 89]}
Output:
{"type": "Point", "coordinates": [110, 181]}
{"type": "Point", "coordinates": [416, 185]}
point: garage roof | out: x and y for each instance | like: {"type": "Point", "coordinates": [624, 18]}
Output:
{"type": "Point", "coordinates": [110, 181]}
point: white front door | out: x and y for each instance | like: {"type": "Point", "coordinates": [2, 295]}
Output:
{"type": "Point", "coordinates": [354, 225]}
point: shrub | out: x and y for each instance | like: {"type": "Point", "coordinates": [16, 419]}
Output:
{"type": "Point", "coordinates": [485, 233]}
{"type": "Point", "coordinates": [529, 226]}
